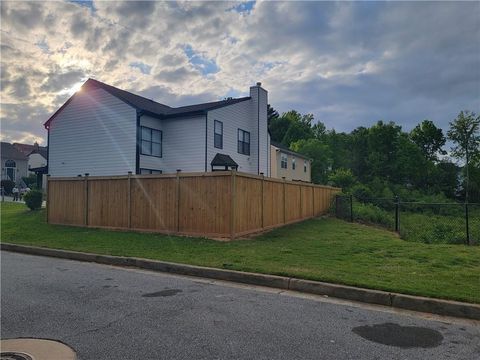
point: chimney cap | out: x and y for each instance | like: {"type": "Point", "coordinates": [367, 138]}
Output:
{"type": "Point", "coordinates": [259, 83]}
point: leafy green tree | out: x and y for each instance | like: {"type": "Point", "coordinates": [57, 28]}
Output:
{"type": "Point", "coordinates": [300, 127]}
{"type": "Point", "coordinates": [342, 178]}
{"type": "Point", "coordinates": [465, 133]}
{"type": "Point", "coordinates": [278, 128]}
{"type": "Point", "coordinates": [320, 155]}
{"type": "Point", "coordinates": [429, 139]}
{"type": "Point", "coordinates": [319, 130]}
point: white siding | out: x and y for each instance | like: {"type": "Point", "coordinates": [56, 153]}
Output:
{"type": "Point", "coordinates": [243, 115]}
{"type": "Point", "coordinates": [184, 144]}
{"type": "Point", "coordinates": [95, 133]}
{"type": "Point", "coordinates": [234, 117]}
{"type": "Point", "coordinates": [146, 161]}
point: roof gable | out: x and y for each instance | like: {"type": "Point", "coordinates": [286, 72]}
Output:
{"type": "Point", "coordinates": [149, 106]}
{"type": "Point", "coordinates": [10, 152]}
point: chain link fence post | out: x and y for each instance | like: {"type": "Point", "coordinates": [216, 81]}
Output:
{"type": "Point", "coordinates": [351, 208]}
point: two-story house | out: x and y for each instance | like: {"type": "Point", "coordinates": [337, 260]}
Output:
{"type": "Point", "coordinates": [103, 130]}
{"type": "Point", "coordinates": [289, 164]}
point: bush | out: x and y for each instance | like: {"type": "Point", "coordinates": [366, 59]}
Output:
{"type": "Point", "coordinates": [33, 199]}
{"type": "Point", "coordinates": [8, 185]}
{"type": "Point", "coordinates": [372, 214]}
{"type": "Point", "coordinates": [361, 193]}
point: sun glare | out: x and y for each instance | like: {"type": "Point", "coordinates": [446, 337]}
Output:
{"type": "Point", "coordinates": [73, 89]}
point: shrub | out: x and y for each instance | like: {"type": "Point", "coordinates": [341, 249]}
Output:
{"type": "Point", "coordinates": [373, 214]}
{"type": "Point", "coordinates": [8, 186]}
{"type": "Point", "coordinates": [33, 199]}
{"type": "Point", "coordinates": [361, 192]}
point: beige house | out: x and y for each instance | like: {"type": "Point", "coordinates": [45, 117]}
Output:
{"type": "Point", "coordinates": [289, 164]}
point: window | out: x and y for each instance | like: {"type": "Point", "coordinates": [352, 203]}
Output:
{"type": "Point", "coordinates": [243, 142]}
{"type": "Point", "coordinates": [293, 164]}
{"type": "Point", "coordinates": [150, 171]}
{"type": "Point", "coordinates": [218, 134]}
{"type": "Point", "coordinates": [284, 161]}
{"type": "Point", "coordinates": [10, 167]}
{"type": "Point", "coordinates": [304, 165]}
{"type": "Point", "coordinates": [151, 142]}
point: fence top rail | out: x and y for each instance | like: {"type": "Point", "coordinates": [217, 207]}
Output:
{"type": "Point", "coordinates": [192, 174]}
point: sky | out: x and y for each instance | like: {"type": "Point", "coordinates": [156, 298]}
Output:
{"type": "Point", "coordinates": [350, 64]}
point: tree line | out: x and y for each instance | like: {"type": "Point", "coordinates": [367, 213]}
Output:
{"type": "Point", "coordinates": [384, 161]}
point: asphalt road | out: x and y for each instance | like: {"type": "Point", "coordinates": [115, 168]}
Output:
{"type": "Point", "coordinates": [105, 312]}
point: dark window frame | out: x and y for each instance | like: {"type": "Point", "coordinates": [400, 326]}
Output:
{"type": "Point", "coordinates": [217, 137]}
{"type": "Point", "coordinates": [294, 166]}
{"type": "Point", "coordinates": [305, 166]}
{"type": "Point", "coordinates": [150, 171]}
{"type": "Point", "coordinates": [151, 141]}
{"type": "Point", "coordinates": [243, 146]}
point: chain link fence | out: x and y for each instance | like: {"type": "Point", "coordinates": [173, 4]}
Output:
{"type": "Point", "coordinates": [431, 223]}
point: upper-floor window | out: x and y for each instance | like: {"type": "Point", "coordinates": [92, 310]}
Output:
{"type": "Point", "coordinates": [218, 134]}
{"type": "Point", "coordinates": [243, 142]}
{"type": "Point", "coordinates": [151, 141]}
{"type": "Point", "coordinates": [304, 165]}
{"type": "Point", "coordinates": [293, 163]}
{"type": "Point", "coordinates": [283, 161]}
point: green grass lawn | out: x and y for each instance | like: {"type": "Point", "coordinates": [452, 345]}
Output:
{"type": "Point", "coordinates": [324, 249]}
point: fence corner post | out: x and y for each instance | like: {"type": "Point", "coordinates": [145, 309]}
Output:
{"type": "Point", "coordinates": [129, 199]}
{"type": "Point", "coordinates": [467, 228]}
{"type": "Point", "coordinates": [86, 199]}
{"type": "Point", "coordinates": [177, 200]}
{"type": "Point", "coordinates": [48, 198]}
{"type": "Point", "coordinates": [397, 214]}
{"type": "Point", "coordinates": [263, 199]}
{"type": "Point", "coordinates": [284, 200]}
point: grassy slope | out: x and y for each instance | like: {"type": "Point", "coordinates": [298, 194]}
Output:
{"type": "Point", "coordinates": [323, 249]}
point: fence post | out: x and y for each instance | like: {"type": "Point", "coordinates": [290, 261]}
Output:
{"type": "Point", "coordinates": [48, 198]}
{"type": "Point", "coordinates": [263, 199]}
{"type": "Point", "coordinates": [129, 199]}
{"type": "Point", "coordinates": [284, 201]}
{"type": "Point", "coordinates": [301, 201]}
{"type": "Point", "coordinates": [351, 208]}
{"type": "Point", "coordinates": [177, 191]}
{"type": "Point", "coordinates": [397, 215]}
{"type": "Point", "coordinates": [232, 210]}
{"type": "Point", "coordinates": [466, 223]}
{"type": "Point", "coordinates": [86, 199]}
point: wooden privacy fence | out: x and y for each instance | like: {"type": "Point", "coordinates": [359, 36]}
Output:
{"type": "Point", "coordinates": [224, 204]}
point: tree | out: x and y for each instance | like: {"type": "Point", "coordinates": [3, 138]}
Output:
{"type": "Point", "coordinates": [429, 139]}
{"type": "Point", "coordinates": [319, 130]}
{"type": "Point", "coordinates": [271, 114]}
{"type": "Point", "coordinates": [300, 127]}
{"type": "Point", "coordinates": [320, 155]}
{"type": "Point", "coordinates": [465, 133]}
{"type": "Point", "coordinates": [342, 178]}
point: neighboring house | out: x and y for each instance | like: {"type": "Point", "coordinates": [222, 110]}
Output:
{"type": "Point", "coordinates": [102, 130]}
{"type": "Point", "coordinates": [289, 164]}
{"type": "Point", "coordinates": [14, 163]}
{"type": "Point", "coordinates": [37, 161]}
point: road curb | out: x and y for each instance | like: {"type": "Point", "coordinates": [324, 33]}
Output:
{"type": "Point", "coordinates": [409, 302]}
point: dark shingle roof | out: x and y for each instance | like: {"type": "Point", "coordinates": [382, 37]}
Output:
{"type": "Point", "coordinates": [42, 150]}
{"type": "Point", "coordinates": [8, 151]}
{"type": "Point", "coordinates": [223, 160]}
{"type": "Point", "coordinates": [150, 106]}
{"type": "Point", "coordinates": [286, 149]}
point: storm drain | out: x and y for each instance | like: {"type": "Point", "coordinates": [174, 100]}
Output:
{"type": "Point", "coordinates": [14, 356]}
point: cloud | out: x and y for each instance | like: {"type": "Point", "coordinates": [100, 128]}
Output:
{"type": "Point", "coordinates": [349, 64]}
